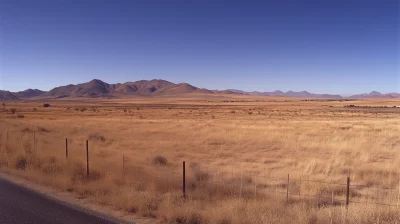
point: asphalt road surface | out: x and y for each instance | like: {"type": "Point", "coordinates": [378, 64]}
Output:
{"type": "Point", "coordinates": [20, 205]}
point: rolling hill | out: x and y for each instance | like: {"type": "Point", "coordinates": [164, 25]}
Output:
{"type": "Point", "coordinates": [158, 87]}
{"type": "Point", "coordinates": [98, 88]}
{"type": "Point", "coordinates": [375, 94]}
{"type": "Point", "coordinates": [302, 94]}
{"type": "Point", "coordinates": [7, 95]}
{"type": "Point", "coordinates": [29, 93]}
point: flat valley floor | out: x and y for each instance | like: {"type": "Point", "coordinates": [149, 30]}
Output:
{"type": "Point", "coordinates": [248, 159]}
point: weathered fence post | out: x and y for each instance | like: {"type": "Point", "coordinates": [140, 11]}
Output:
{"type": "Point", "coordinates": [241, 184]}
{"type": "Point", "coordinates": [255, 187]}
{"type": "Point", "coordinates": [66, 148]}
{"type": "Point", "coordinates": [398, 196]}
{"type": "Point", "coordinates": [123, 164]}
{"type": "Point", "coordinates": [87, 157]}
{"type": "Point", "coordinates": [348, 192]}
{"type": "Point", "coordinates": [34, 140]}
{"type": "Point", "coordinates": [287, 189]}
{"type": "Point", "coordinates": [184, 180]}
{"type": "Point", "coordinates": [300, 188]}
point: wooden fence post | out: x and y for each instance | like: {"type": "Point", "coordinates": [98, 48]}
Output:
{"type": "Point", "coordinates": [87, 157]}
{"type": "Point", "coordinates": [300, 188]}
{"type": "Point", "coordinates": [241, 184]}
{"type": "Point", "coordinates": [348, 192]}
{"type": "Point", "coordinates": [183, 180]}
{"type": "Point", "coordinates": [123, 164]}
{"type": "Point", "coordinates": [287, 189]}
{"type": "Point", "coordinates": [66, 148]}
{"type": "Point", "coordinates": [34, 140]}
{"type": "Point", "coordinates": [255, 187]}
{"type": "Point", "coordinates": [398, 196]}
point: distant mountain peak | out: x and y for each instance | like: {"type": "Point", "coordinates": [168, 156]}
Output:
{"type": "Point", "coordinates": [160, 87]}
{"type": "Point", "coordinates": [375, 93]}
{"type": "Point", "coordinates": [98, 81]}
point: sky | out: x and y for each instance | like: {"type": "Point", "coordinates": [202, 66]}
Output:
{"type": "Point", "coordinates": [340, 47]}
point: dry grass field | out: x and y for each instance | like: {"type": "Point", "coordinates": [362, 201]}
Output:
{"type": "Point", "coordinates": [238, 152]}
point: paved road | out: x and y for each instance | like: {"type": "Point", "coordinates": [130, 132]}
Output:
{"type": "Point", "coordinates": [19, 205]}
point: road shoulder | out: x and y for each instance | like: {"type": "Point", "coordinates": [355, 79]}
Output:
{"type": "Point", "coordinates": [68, 199]}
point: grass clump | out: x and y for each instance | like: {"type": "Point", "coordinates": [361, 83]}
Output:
{"type": "Point", "coordinates": [160, 161]}
{"type": "Point", "coordinates": [42, 129]}
{"type": "Point", "coordinates": [97, 137]}
{"type": "Point", "coordinates": [21, 163]}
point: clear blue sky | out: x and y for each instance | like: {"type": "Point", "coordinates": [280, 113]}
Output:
{"type": "Point", "coordinates": [338, 46]}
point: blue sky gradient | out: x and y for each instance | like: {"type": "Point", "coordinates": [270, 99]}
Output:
{"type": "Point", "coordinates": [341, 46]}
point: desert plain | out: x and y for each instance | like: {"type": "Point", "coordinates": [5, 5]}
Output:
{"type": "Point", "coordinates": [248, 159]}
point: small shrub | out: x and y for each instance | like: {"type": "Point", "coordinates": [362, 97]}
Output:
{"type": "Point", "coordinates": [46, 105]}
{"type": "Point", "coordinates": [79, 174]}
{"type": "Point", "coordinates": [21, 163]}
{"type": "Point", "coordinates": [76, 109]}
{"type": "Point", "coordinates": [201, 175]}
{"type": "Point", "coordinates": [20, 116]}
{"type": "Point", "coordinates": [97, 137]}
{"type": "Point", "coordinates": [124, 110]}
{"type": "Point", "coordinates": [160, 160]}
{"type": "Point", "coordinates": [194, 218]}
{"type": "Point", "coordinates": [13, 110]}
{"type": "Point", "coordinates": [34, 109]}
{"type": "Point", "coordinates": [51, 166]}
{"type": "Point", "coordinates": [42, 129]}
{"type": "Point", "coordinates": [26, 130]}
{"type": "Point", "coordinates": [83, 109]}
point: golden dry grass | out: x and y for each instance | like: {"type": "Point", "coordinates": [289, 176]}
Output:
{"type": "Point", "coordinates": [234, 151]}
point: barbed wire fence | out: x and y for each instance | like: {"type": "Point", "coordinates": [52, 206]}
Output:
{"type": "Point", "coordinates": [244, 185]}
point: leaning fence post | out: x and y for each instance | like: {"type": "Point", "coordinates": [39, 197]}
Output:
{"type": "Point", "coordinates": [287, 189]}
{"type": "Point", "coordinates": [66, 148]}
{"type": "Point", "coordinates": [184, 180]}
{"type": "Point", "coordinates": [348, 191]}
{"type": "Point", "coordinates": [87, 157]}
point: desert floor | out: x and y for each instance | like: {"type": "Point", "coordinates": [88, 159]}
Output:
{"type": "Point", "coordinates": [239, 153]}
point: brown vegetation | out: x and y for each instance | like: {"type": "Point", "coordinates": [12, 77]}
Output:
{"type": "Point", "coordinates": [234, 161]}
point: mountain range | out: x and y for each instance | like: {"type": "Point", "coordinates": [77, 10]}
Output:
{"type": "Point", "coordinates": [157, 87]}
